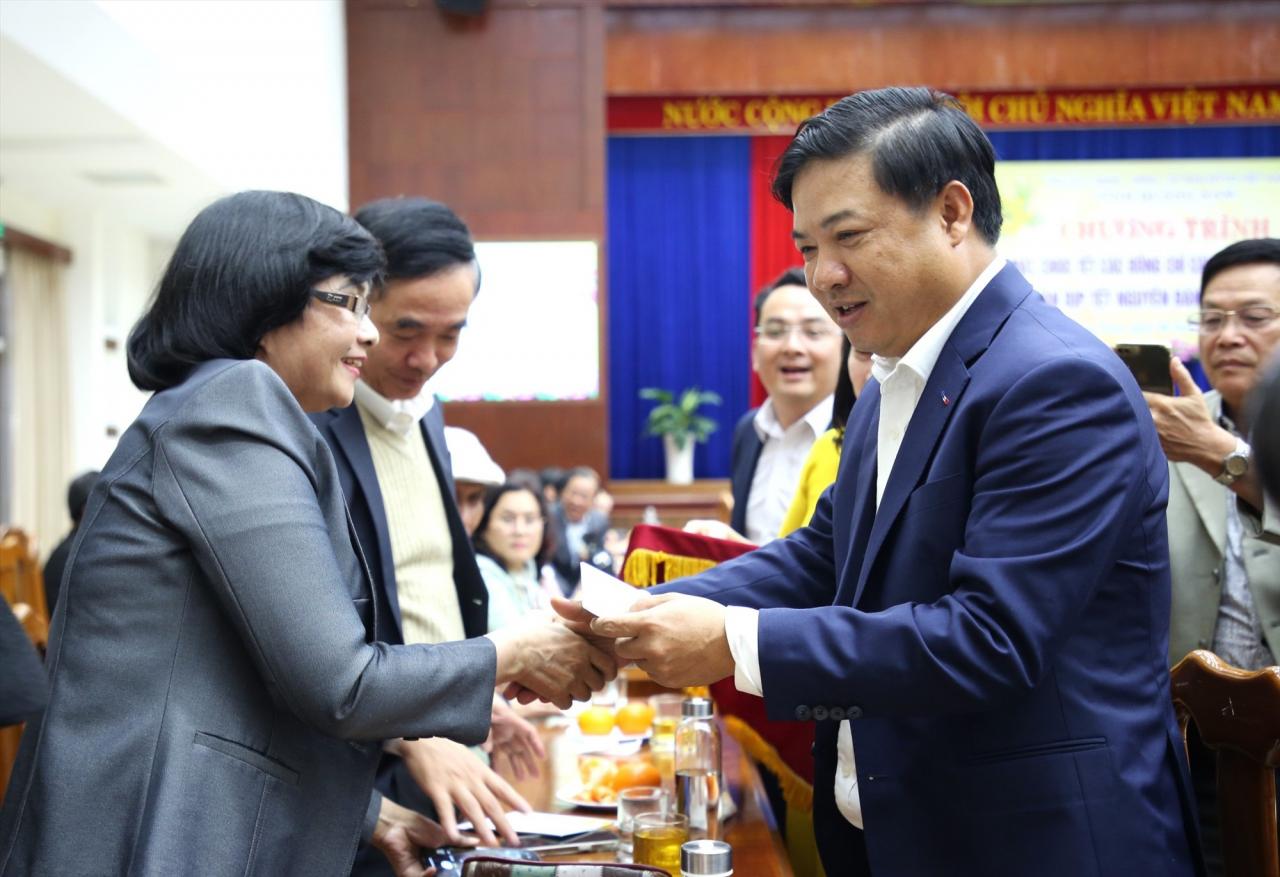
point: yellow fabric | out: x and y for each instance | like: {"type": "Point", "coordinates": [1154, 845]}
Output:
{"type": "Point", "coordinates": [645, 567]}
{"type": "Point", "coordinates": [818, 474]}
{"type": "Point", "coordinates": [797, 792]}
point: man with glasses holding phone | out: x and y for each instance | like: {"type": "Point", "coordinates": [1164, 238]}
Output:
{"type": "Point", "coordinates": [1224, 565]}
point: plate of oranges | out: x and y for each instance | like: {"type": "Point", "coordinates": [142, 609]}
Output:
{"type": "Point", "coordinates": [603, 775]}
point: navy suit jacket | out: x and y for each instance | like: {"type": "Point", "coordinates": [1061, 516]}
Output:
{"type": "Point", "coordinates": [743, 457]}
{"type": "Point", "coordinates": [343, 430]}
{"type": "Point", "coordinates": [996, 632]}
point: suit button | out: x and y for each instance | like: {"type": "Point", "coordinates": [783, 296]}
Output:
{"type": "Point", "coordinates": [853, 712]}
{"type": "Point", "coordinates": [820, 713]}
{"type": "Point", "coordinates": [837, 714]}
{"type": "Point", "coordinates": [803, 713]}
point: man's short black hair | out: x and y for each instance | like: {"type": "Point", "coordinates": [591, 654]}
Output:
{"type": "Point", "coordinates": [421, 237]}
{"type": "Point", "coordinates": [1249, 252]}
{"type": "Point", "coordinates": [790, 277]}
{"type": "Point", "coordinates": [918, 139]}
{"type": "Point", "coordinates": [245, 266]}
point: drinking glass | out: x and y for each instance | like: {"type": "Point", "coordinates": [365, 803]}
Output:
{"type": "Point", "coordinates": [657, 838]}
{"type": "Point", "coordinates": [631, 803]}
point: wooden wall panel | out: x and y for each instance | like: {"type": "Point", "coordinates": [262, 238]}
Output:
{"type": "Point", "coordinates": [501, 116]}
{"type": "Point", "coordinates": [808, 48]}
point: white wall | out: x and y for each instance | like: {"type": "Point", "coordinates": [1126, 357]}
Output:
{"type": "Point", "coordinates": [114, 269]}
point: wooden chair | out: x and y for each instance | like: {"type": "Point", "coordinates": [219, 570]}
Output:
{"type": "Point", "coordinates": [22, 587]}
{"type": "Point", "coordinates": [1237, 714]}
{"type": "Point", "coordinates": [21, 581]}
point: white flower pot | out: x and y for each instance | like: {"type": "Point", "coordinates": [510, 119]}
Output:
{"type": "Point", "coordinates": [679, 460]}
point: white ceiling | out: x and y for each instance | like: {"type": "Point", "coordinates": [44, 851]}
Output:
{"type": "Point", "coordinates": [153, 109]}
{"type": "Point", "coordinates": [63, 147]}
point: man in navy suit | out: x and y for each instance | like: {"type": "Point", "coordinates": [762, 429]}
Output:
{"type": "Point", "coordinates": [977, 617]}
{"type": "Point", "coordinates": [395, 471]}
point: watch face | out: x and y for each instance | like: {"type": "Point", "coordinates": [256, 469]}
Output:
{"type": "Point", "coordinates": [1236, 465]}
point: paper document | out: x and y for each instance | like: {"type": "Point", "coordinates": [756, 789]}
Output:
{"type": "Point", "coordinates": [603, 595]}
{"type": "Point", "coordinates": [549, 824]}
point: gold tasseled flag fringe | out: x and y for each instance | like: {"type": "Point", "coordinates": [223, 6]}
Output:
{"type": "Point", "coordinates": [796, 792]}
{"type": "Point", "coordinates": [646, 567]}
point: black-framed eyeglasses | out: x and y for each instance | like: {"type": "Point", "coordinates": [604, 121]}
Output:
{"type": "Point", "coordinates": [356, 302]}
{"type": "Point", "coordinates": [1212, 321]}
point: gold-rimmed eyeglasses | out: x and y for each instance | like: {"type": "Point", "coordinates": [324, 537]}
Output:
{"type": "Point", "coordinates": [1211, 321]}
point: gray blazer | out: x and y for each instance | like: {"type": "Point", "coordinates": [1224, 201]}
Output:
{"type": "Point", "coordinates": [1197, 518]}
{"type": "Point", "coordinates": [216, 698]}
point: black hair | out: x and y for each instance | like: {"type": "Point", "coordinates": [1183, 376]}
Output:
{"type": "Point", "coordinates": [1248, 252]}
{"type": "Point", "coordinates": [548, 544]}
{"type": "Point", "coordinates": [553, 477]}
{"type": "Point", "coordinates": [244, 266]}
{"type": "Point", "coordinates": [1266, 431]}
{"type": "Point", "coordinates": [842, 401]}
{"type": "Point", "coordinates": [919, 140]}
{"type": "Point", "coordinates": [78, 493]}
{"type": "Point", "coordinates": [790, 277]}
{"type": "Point", "coordinates": [421, 237]}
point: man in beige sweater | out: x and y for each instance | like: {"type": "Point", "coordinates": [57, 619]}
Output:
{"type": "Point", "coordinates": [395, 468]}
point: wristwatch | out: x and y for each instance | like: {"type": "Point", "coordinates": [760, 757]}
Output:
{"type": "Point", "coordinates": [1235, 464]}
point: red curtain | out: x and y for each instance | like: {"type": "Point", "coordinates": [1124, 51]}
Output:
{"type": "Point", "coordinates": [772, 251]}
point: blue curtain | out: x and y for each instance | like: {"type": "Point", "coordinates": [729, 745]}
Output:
{"type": "Point", "coordinates": [1203, 141]}
{"type": "Point", "coordinates": [678, 285]}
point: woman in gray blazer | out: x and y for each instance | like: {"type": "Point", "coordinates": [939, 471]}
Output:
{"type": "Point", "coordinates": [217, 701]}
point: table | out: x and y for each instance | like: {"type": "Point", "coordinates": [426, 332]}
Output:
{"type": "Point", "coordinates": [750, 832]}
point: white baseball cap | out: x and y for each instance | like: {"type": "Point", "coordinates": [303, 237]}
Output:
{"type": "Point", "coordinates": [471, 462]}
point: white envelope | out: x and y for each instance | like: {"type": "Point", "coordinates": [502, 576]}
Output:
{"type": "Point", "coordinates": [603, 595]}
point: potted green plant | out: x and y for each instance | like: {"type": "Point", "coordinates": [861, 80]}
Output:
{"type": "Point", "coordinates": [677, 420]}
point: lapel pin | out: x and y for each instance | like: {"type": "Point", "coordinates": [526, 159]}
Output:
{"type": "Point", "coordinates": [946, 400]}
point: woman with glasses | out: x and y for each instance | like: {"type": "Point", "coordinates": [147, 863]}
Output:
{"type": "Point", "coordinates": [513, 543]}
{"type": "Point", "coordinates": [217, 697]}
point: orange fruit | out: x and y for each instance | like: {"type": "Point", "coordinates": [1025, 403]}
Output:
{"type": "Point", "coordinates": [635, 717]}
{"type": "Point", "coordinates": [596, 720]}
{"type": "Point", "coordinates": [635, 772]}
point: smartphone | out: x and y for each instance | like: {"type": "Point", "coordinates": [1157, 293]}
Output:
{"type": "Point", "coordinates": [1149, 364]}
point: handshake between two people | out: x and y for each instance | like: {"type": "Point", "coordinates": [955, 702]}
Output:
{"type": "Point", "coordinates": [678, 640]}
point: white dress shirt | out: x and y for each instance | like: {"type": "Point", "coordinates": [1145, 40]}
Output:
{"type": "Point", "coordinates": [397, 415]}
{"type": "Point", "coordinates": [902, 380]}
{"type": "Point", "coordinates": [782, 457]}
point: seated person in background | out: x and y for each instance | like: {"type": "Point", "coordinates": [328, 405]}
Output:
{"type": "Point", "coordinates": [796, 353]}
{"type": "Point", "coordinates": [512, 544]}
{"type": "Point", "coordinates": [1226, 580]}
{"type": "Point", "coordinates": [474, 472]}
{"type": "Point", "coordinates": [579, 527]}
{"type": "Point", "coordinates": [551, 479]}
{"type": "Point", "coordinates": [77, 496]}
{"type": "Point", "coordinates": [819, 471]}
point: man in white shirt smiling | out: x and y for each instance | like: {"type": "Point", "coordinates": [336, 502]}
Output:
{"type": "Point", "coordinates": [979, 607]}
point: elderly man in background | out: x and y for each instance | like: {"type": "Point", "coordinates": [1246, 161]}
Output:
{"type": "Point", "coordinates": [579, 526]}
{"type": "Point", "coordinates": [394, 464]}
{"type": "Point", "coordinates": [1223, 561]}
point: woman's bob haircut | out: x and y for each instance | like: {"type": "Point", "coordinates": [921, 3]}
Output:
{"type": "Point", "coordinates": [244, 267]}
